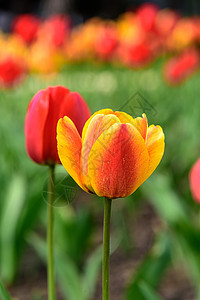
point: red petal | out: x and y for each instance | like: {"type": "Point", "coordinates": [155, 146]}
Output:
{"type": "Point", "coordinates": [34, 125]}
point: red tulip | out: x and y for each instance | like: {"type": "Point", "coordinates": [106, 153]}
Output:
{"type": "Point", "coordinates": [179, 68]}
{"type": "Point", "coordinates": [12, 71]}
{"type": "Point", "coordinates": [194, 178]}
{"type": "Point", "coordinates": [44, 111]}
{"type": "Point", "coordinates": [55, 30]}
{"type": "Point", "coordinates": [106, 42]}
{"type": "Point", "coordinates": [136, 55]}
{"type": "Point", "coordinates": [165, 22]}
{"type": "Point", "coordinates": [146, 14]}
{"type": "Point", "coordinates": [26, 26]}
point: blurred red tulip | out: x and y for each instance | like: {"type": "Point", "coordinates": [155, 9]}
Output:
{"type": "Point", "coordinates": [136, 55]}
{"type": "Point", "coordinates": [165, 22]}
{"type": "Point", "coordinates": [147, 15]}
{"type": "Point", "coordinates": [55, 30]}
{"type": "Point", "coordinates": [179, 68]}
{"type": "Point", "coordinates": [26, 26]}
{"type": "Point", "coordinates": [44, 111]}
{"type": "Point", "coordinates": [194, 178]}
{"type": "Point", "coordinates": [12, 71]}
{"type": "Point", "coordinates": [106, 42]}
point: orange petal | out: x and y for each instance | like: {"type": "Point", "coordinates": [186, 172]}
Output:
{"type": "Point", "coordinates": [140, 123]}
{"type": "Point", "coordinates": [118, 161]}
{"type": "Point", "coordinates": [155, 145]}
{"type": "Point", "coordinates": [69, 149]}
{"type": "Point", "coordinates": [98, 124]}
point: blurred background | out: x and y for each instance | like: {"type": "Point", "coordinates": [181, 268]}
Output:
{"type": "Point", "coordinates": [134, 56]}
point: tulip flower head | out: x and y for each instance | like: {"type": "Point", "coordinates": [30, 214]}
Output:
{"type": "Point", "coordinates": [44, 111]}
{"type": "Point", "coordinates": [12, 71]}
{"type": "Point", "coordinates": [26, 26]}
{"type": "Point", "coordinates": [115, 154]}
{"type": "Point", "coordinates": [194, 179]}
{"type": "Point", "coordinates": [181, 67]}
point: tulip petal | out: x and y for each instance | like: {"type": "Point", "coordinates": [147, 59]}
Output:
{"type": "Point", "coordinates": [140, 123]}
{"type": "Point", "coordinates": [104, 111]}
{"type": "Point", "coordinates": [57, 95]}
{"type": "Point", "coordinates": [69, 149]}
{"type": "Point", "coordinates": [194, 177]}
{"type": "Point", "coordinates": [155, 145]}
{"type": "Point", "coordinates": [35, 125]}
{"type": "Point", "coordinates": [124, 117]}
{"type": "Point", "coordinates": [80, 114]}
{"type": "Point", "coordinates": [62, 103]}
{"type": "Point", "coordinates": [118, 161]}
{"type": "Point", "coordinates": [99, 123]}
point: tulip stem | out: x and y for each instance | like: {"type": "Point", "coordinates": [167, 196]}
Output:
{"type": "Point", "coordinates": [106, 247]}
{"type": "Point", "coordinates": [50, 263]}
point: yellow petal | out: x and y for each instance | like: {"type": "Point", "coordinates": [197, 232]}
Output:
{"type": "Point", "coordinates": [155, 145]}
{"type": "Point", "coordinates": [69, 149]}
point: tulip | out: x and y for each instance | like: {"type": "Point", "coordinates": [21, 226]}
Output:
{"type": "Point", "coordinates": [106, 42]}
{"type": "Point", "coordinates": [194, 178]}
{"type": "Point", "coordinates": [115, 155]}
{"type": "Point", "coordinates": [181, 67]}
{"type": "Point", "coordinates": [12, 71]}
{"type": "Point", "coordinates": [147, 13]}
{"type": "Point", "coordinates": [55, 30]}
{"type": "Point", "coordinates": [26, 26]}
{"type": "Point", "coordinates": [44, 111]}
{"type": "Point", "coordinates": [136, 55]}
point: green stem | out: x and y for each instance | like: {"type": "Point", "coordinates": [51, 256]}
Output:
{"type": "Point", "coordinates": [106, 247]}
{"type": "Point", "coordinates": [50, 264]}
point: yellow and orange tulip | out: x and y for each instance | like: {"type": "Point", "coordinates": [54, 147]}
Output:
{"type": "Point", "coordinates": [115, 155]}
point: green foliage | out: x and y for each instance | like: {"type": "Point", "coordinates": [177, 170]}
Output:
{"type": "Point", "coordinates": [3, 293]}
{"type": "Point", "coordinates": [150, 272]}
{"type": "Point", "coordinates": [23, 193]}
{"type": "Point", "coordinates": [76, 285]}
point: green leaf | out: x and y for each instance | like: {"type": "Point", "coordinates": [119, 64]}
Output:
{"type": "Point", "coordinates": [11, 213]}
{"type": "Point", "coordinates": [168, 205]}
{"type": "Point", "coordinates": [185, 238]}
{"type": "Point", "coordinates": [3, 293]}
{"type": "Point", "coordinates": [74, 228]}
{"type": "Point", "coordinates": [148, 292]}
{"type": "Point", "coordinates": [93, 266]}
{"type": "Point", "coordinates": [153, 266]}
{"type": "Point", "coordinates": [66, 270]}
{"type": "Point", "coordinates": [142, 291]}
{"type": "Point", "coordinates": [92, 269]}
{"type": "Point", "coordinates": [69, 278]}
